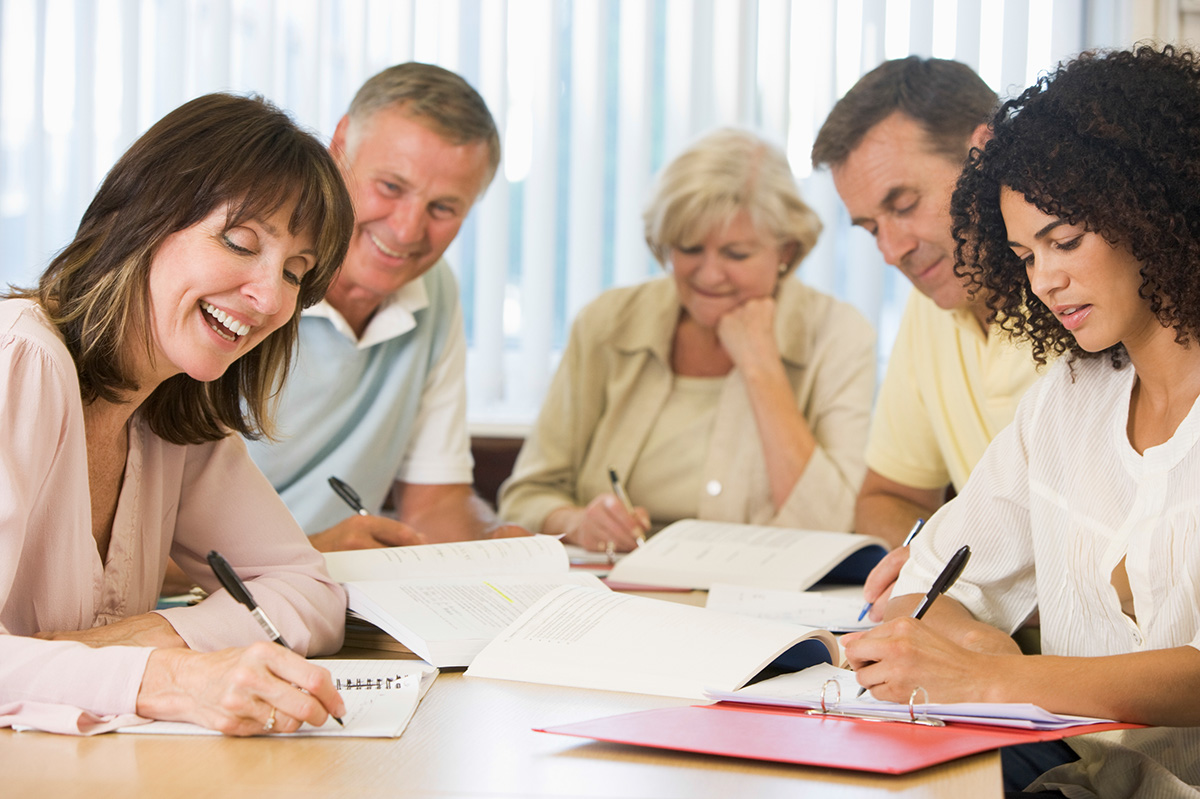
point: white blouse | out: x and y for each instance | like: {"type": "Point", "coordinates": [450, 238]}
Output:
{"type": "Point", "coordinates": [1059, 498]}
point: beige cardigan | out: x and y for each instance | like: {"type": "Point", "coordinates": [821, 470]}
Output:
{"type": "Point", "coordinates": [615, 377]}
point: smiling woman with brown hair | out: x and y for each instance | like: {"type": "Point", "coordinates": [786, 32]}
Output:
{"type": "Point", "coordinates": [158, 334]}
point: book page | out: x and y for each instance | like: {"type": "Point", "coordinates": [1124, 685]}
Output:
{"type": "Point", "coordinates": [696, 554]}
{"type": "Point", "coordinates": [592, 639]}
{"type": "Point", "coordinates": [838, 614]}
{"type": "Point", "coordinates": [447, 621]}
{"type": "Point", "coordinates": [380, 697]}
{"type": "Point", "coordinates": [527, 555]}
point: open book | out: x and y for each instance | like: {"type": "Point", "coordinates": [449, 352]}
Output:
{"type": "Point", "coordinates": [696, 554]}
{"type": "Point", "coordinates": [446, 601]}
{"type": "Point", "coordinates": [834, 610]}
{"type": "Point", "coordinates": [585, 638]}
{"type": "Point", "coordinates": [380, 695]}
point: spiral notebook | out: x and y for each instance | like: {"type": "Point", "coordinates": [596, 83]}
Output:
{"type": "Point", "coordinates": [380, 695]}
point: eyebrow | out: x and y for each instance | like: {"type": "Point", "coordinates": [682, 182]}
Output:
{"type": "Point", "coordinates": [452, 199]}
{"type": "Point", "coordinates": [888, 202]}
{"type": "Point", "coordinates": [1041, 234]}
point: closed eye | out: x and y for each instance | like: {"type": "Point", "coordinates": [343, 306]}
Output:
{"type": "Point", "coordinates": [233, 245]}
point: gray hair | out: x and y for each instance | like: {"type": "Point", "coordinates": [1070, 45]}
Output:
{"type": "Point", "coordinates": [438, 97]}
{"type": "Point", "coordinates": [719, 175]}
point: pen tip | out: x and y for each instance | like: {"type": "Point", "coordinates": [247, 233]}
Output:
{"type": "Point", "coordinates": [339, 721]}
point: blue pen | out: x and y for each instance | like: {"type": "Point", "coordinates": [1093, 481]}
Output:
{"type": "Point", "coordinates": [916, 528]}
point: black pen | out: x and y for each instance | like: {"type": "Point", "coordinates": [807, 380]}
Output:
{"type": "Point", "coordinates": [941, 585]}
{"type": "Point", "coordinates": [237, 589]}
{"type": "Point", "coordinates": [944, 580]}
{"type": "Point", "coordinates": [619, 489]}
{"type": "Point", "coordinates": [916, 528]}
{"type": "Point", "coordinates": [348, 495]}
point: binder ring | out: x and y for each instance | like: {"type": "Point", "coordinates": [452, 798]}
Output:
{"type": "Point", "coordinates": [825, 686]}
{"type": "Point", "coordinates": [912, 702]}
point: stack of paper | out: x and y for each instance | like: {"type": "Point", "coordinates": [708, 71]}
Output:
{"type": "Point", "coordinates": [803, 689]}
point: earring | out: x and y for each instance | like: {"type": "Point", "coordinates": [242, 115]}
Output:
{"type": "Point", "coordinates": [783, 269]}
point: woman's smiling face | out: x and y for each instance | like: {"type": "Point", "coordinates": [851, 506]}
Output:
{"type": "Point", "coordinates": [217, 292]}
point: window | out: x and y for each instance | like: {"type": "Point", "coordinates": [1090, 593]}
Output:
{"type": "Point", "coordinates": [591, 96]}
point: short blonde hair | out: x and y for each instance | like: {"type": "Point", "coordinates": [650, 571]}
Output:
{"type": "Point", "coordinates": [720, 175]}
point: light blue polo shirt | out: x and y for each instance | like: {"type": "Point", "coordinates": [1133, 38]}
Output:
{"type": "Point", "coordinates": [348, 407]}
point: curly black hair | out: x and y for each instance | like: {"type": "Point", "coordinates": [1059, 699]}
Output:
{"type": "Point", "coordinates": [1109, 141]}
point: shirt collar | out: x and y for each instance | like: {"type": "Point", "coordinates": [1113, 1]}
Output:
{"type": "Point", "coordinates": [392, 319]}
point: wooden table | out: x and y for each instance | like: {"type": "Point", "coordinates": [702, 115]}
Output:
{"type": "Point", "coordinates": [470, 737]}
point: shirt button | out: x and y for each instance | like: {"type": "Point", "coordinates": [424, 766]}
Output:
{"type": "Point", "coordinates": [713, 487]}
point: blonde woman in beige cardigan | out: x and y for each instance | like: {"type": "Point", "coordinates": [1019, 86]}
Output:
{"type": "Point", "coordinates": [726, 390]}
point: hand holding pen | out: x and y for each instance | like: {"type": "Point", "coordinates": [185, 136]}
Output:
{"type": "Point", "coordinates": [237, 589]}
{"type": "Point", "coordinates": [363, 530]}
{"type": "Point", "coordinates": [949, 574]}
{"type": "Point", "coordinates": [883, 576]}
{"type": "Point", "coordinates": [609, 523]}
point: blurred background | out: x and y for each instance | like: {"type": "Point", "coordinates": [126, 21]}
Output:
{"type": "Point", "coordinates": [591, 97]}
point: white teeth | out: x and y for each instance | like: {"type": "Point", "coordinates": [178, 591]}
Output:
{"type": "Point", "coordinates": [227, 321]}
{"type": "Point", "coordinates": [1069, 311]}
{"type": "Point", "coordinates": [383, 248]}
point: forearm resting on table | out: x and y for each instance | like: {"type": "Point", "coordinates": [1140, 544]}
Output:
{"type": "Point", "coordinates": [447, 512]}
{"type": "Point", "coordinates": [888, 509]}
{"type": "Point", "coordinates": [146, 629]}
{"type": "Point", "coordinates": [1158, 687]}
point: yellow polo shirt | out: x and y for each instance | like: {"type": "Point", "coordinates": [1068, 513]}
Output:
{"type": "Point", "coordinates": [949, 389]}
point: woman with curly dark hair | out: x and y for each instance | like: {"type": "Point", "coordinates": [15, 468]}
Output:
{"type": "Point", "coordinates": [1083, 215]}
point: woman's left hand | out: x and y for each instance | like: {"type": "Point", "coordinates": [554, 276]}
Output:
{"type": "Point", "coordinates": [747, 332]}
{"type": "Point", "coordinates": [901, 655]}
{"type": "Point", "coordinates": [146, 629]}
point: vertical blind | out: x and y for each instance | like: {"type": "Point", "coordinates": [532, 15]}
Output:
{"type": "Point", "coordinates": [592, 97]}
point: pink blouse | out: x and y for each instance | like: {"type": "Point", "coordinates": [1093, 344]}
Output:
{"type": "Point", "coordinates": [176, 501]}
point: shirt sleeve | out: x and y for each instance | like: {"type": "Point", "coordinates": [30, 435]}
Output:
{"type": "Point", "coordinates": [992, 516]}
{"type": "Point", "coordinates": [546, 472]}
{"type": "Point", "coordinates": [228, 505]}
{"type": "Point", "coordinates": [60, 686]}
{"type": "Point", "coordinates": [838, 414]}
{"type": "Point", "coordinates": [439, 451]}
{"type": "Point", "coordinates": [903, 446]}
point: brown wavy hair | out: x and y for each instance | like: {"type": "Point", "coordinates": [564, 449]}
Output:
{"type": "Point", "coordinates": [216, 150]}
{"type": "Point", "coordinates": [1109, 141]}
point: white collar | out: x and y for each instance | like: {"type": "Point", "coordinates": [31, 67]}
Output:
{"type": "Point", "coordinates": [393, 318]}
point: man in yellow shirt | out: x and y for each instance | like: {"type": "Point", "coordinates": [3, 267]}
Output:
{"type": "Point", "coordinates": [896, 143]}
